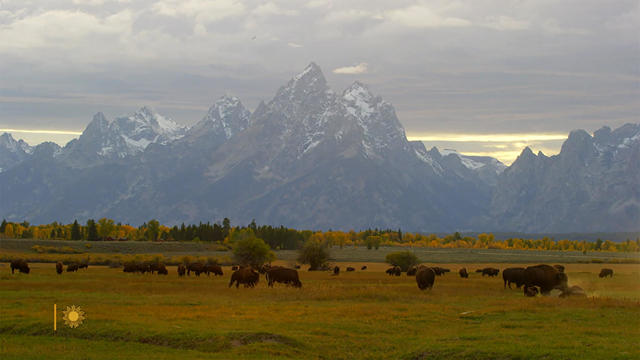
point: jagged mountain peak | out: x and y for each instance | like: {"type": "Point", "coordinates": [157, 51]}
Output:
{"type": "Point", "coordinates": [225, 118]}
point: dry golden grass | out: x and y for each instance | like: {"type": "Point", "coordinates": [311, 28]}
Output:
{"type": "Point", "coordinates": [364, 314]}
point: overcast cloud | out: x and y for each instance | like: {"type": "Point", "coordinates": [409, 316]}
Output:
{"type": "Point", "coordinates": [448, 66]}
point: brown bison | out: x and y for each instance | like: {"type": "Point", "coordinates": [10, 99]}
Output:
{"type": "Point", "coordinates": [73, 267]}
{"type": "Point", "coordinates": [246, 276]}
{"type": "Point", "coordinates": [412, 271]}
{"type": "Point", "coordinates": [395, 270]}
{"type": "Point", "coordinates": [21, 265]}
{"type": "Point", "coordinates": [197, 268]}
{"type": "Point", "coordinates": [606, 272]}
{"type": "Point", "coordinates": [213, 268]}
{"type": "Point", "coordinates": [349, 268]}
{"type": "Point", "coordinates": [440, 271]}
{"type": "Point", "coordinates": [161, 269]}
{"type": "Point", "coordinates": [513, 276]}
{"type": "Point", "coordinates": [182, 270]}
{"type": "Point", "coordinates": [235, 267]}
{"type": "Point", "coordinates": [545, 277]}
{"type": "Point", "coordinates": [559, 267]}
{"type": "Point", "coordinates": [59, 267]}
{"type": "Point", "coordinates": [463, 273]}
{"type": "Point", "coordinates": [489, 271]}
{"type": "Point", "coordinates": [84, 264]}
{"type": "Point", "coordinates": [425, 278]}
{"type": "Point", "coordinates": [336, 270]}
{"type": "Point", "coordinates": [576, 291]}
{"type": "Point", "coordinates": [363, 267]}
{"type": "Point", "coordinates": [283, 275]}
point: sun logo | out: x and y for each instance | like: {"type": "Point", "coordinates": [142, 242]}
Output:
{"type": "Point", "coordinates": [73, 316]}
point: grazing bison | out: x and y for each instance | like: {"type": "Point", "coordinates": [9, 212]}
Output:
{"type": "Point", "coordinates": [73, 267]}
{"type": "Point", "coordinates": [559, 267]}
{"type": "Point", "coordinates": [576, 291]}
{"type": "Point", "coordinates": [246, 276]}
{"type": "Point", "coordinates": [545, 277]}
{"type": "Point", "coordinates": [349, 268]}
{"type": "Point", "coordinates": [489, 271]}
{"type": "Point", "coordinates": [513, 276]}
{"type": "Point", "coordinates": [463, 273]}
{"type": "Point", "coordinates": [213, 268]}
{"type": "Point", "coordinates": [425, 278]}
{"type": "Point", "coordinates": [21, 265]}
{"type": "Point", "coordinates": [197, 267]}
{"type": "Point", "coordinates": [336, 270]}
{"type": "Point", "coordinates": [606, 272]}
{"type": "Point", "coordinates": [395, 270]}
{"type": "Point", "coordinates": [182, 270]}
{"type": "Point", "coordinates": [84, 264]}
{"type": "Point", "coordinates": [59, 267]}
{"type": "Point", "coordinates": [364, 267]}
{"type": "Point", "coordinates": [439, 271]}
{"type": "Point", "coordinates": [283, 275]}
{"type": "Point", "coordinates": [129, 267]}
{"type": "Point", "coordinates": [412, 271]}
{"type": "Point", "coordinates": [161, 269]}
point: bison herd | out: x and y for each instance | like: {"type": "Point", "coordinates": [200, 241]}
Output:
{"type": "Point", "coordinates": [538, 279]}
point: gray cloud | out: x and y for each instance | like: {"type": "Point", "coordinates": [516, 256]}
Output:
{"type": "Point", "coordinates": [477, 67]}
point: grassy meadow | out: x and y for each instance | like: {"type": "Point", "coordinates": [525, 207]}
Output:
{"type": "Point", "coordinates": [360, 315]}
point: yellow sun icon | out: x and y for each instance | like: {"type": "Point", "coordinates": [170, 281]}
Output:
{"type": "Point", "coordinates": [73, 316]}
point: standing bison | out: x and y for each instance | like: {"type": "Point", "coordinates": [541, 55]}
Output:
{"type": "Point", "coordinates": [213, 268]}
{"type": "Point", "coordinates": [59, 267]}
{"type": "Point", "coordinates": [606, 272]}
{"type": "Point", "coordinates": [197, 268]}
{"type": "Point", "coordinates": [349, 268]}
{"type": "Point", "coordinates": [463, 273]}
{"type": "Point", "coordinates": [73, 267]}
{"type": "Point", "coordinates": [246, 276]}
{"type": "Point", "coordinates": [336, 270]}
{"type": "Point", "coordinates": [396, 270]}
{"type": "Point", "coordinates": [283, 275]}
{"type": "Point", "coordinates": [21, 265]}
{"type": "Point", "coordinates": [425, 278]}
{"type": "Point", "coordinates": [363, 267]}
{"type": "Point", "coordinates": [545, 277]}
{"type": "Point", "coordinates": [489, 271]}
{"type": "Point", "coordinates": [559, 267]}
{"type": "Point", "coordinates": [182, 270]}
{"type": "Point", "coordinates": [513, 276]}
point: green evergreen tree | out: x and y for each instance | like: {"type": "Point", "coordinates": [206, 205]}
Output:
{"type": "Point", "coordinates": [76, 234]}
{"type": "Point", "coordinates": [92, 230]}
{"type": "Point", "coordinates": [3, 225]}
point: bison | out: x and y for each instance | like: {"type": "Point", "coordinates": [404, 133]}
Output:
{"type": "Point", "coordinates": [59, 267]}
{"type": "Point", "coordinates": [412, 271]}
{"type": "Point", "coordinates": [336, 270]}
{"type": "Point", "coordinates": [545, 277]}
{"type": "Point", "coordinates": [21, 265]}
{"type": "Point", "coordinates": [395, 270]}
{"type": "Point", "coordinates": [513, 276]}
{"type": "Point", "coordinates": [463, 273]}
{"type": "Point", "coordinates": [283, 275]}
{"type": "Point", "coordinates": [606, 272]}
{"type": "Point", "coordinates": [246, 276]}
{"type": "Point", "coordinates": [73, 267]}
{"type": "Point", "coordinates": [439, 271]}
{"type": "Point", "coordinates": [182, 270]}
{"type": "Point", "coordinates": [349, 268]}
{"type": "Point", "coordinates": [559, 267]}
{"type": "Point", "coordinates": [489, 271]}
{"type": "Point", "coordinates": [213, 268]}
{"type": "Point", "coordinates": [162, 270]}
{"type": "Point", "coordinates": [197, 267]}
{"type": "Point", "coordinates": [235, 267]}
{"type": "Point", "coordinates": [363, 267]}
{"type": "Point", "coordinates": [425, 278]}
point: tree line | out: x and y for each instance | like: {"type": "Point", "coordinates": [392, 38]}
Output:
{"type": "Point", "coordinates": [283, 238]}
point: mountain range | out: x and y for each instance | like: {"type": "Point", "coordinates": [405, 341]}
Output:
{"type": "Point", "coordinates": [316, 159]}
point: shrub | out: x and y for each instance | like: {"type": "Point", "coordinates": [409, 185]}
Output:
{"type": "Point", "coordinates": [315, 253]}
{"type": "Point", "coordinates": [250, 250]}
{"type": "Point", "coordinates": [403, 259]}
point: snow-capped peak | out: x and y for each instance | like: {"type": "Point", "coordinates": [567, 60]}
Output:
{"type": "Point", "coordinates": [15, 146]}
{"type": "Point", "coordinates": [227, 116]}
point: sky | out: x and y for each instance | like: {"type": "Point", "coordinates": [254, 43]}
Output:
{"type": "Point", "coordinates": [482, 77]}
